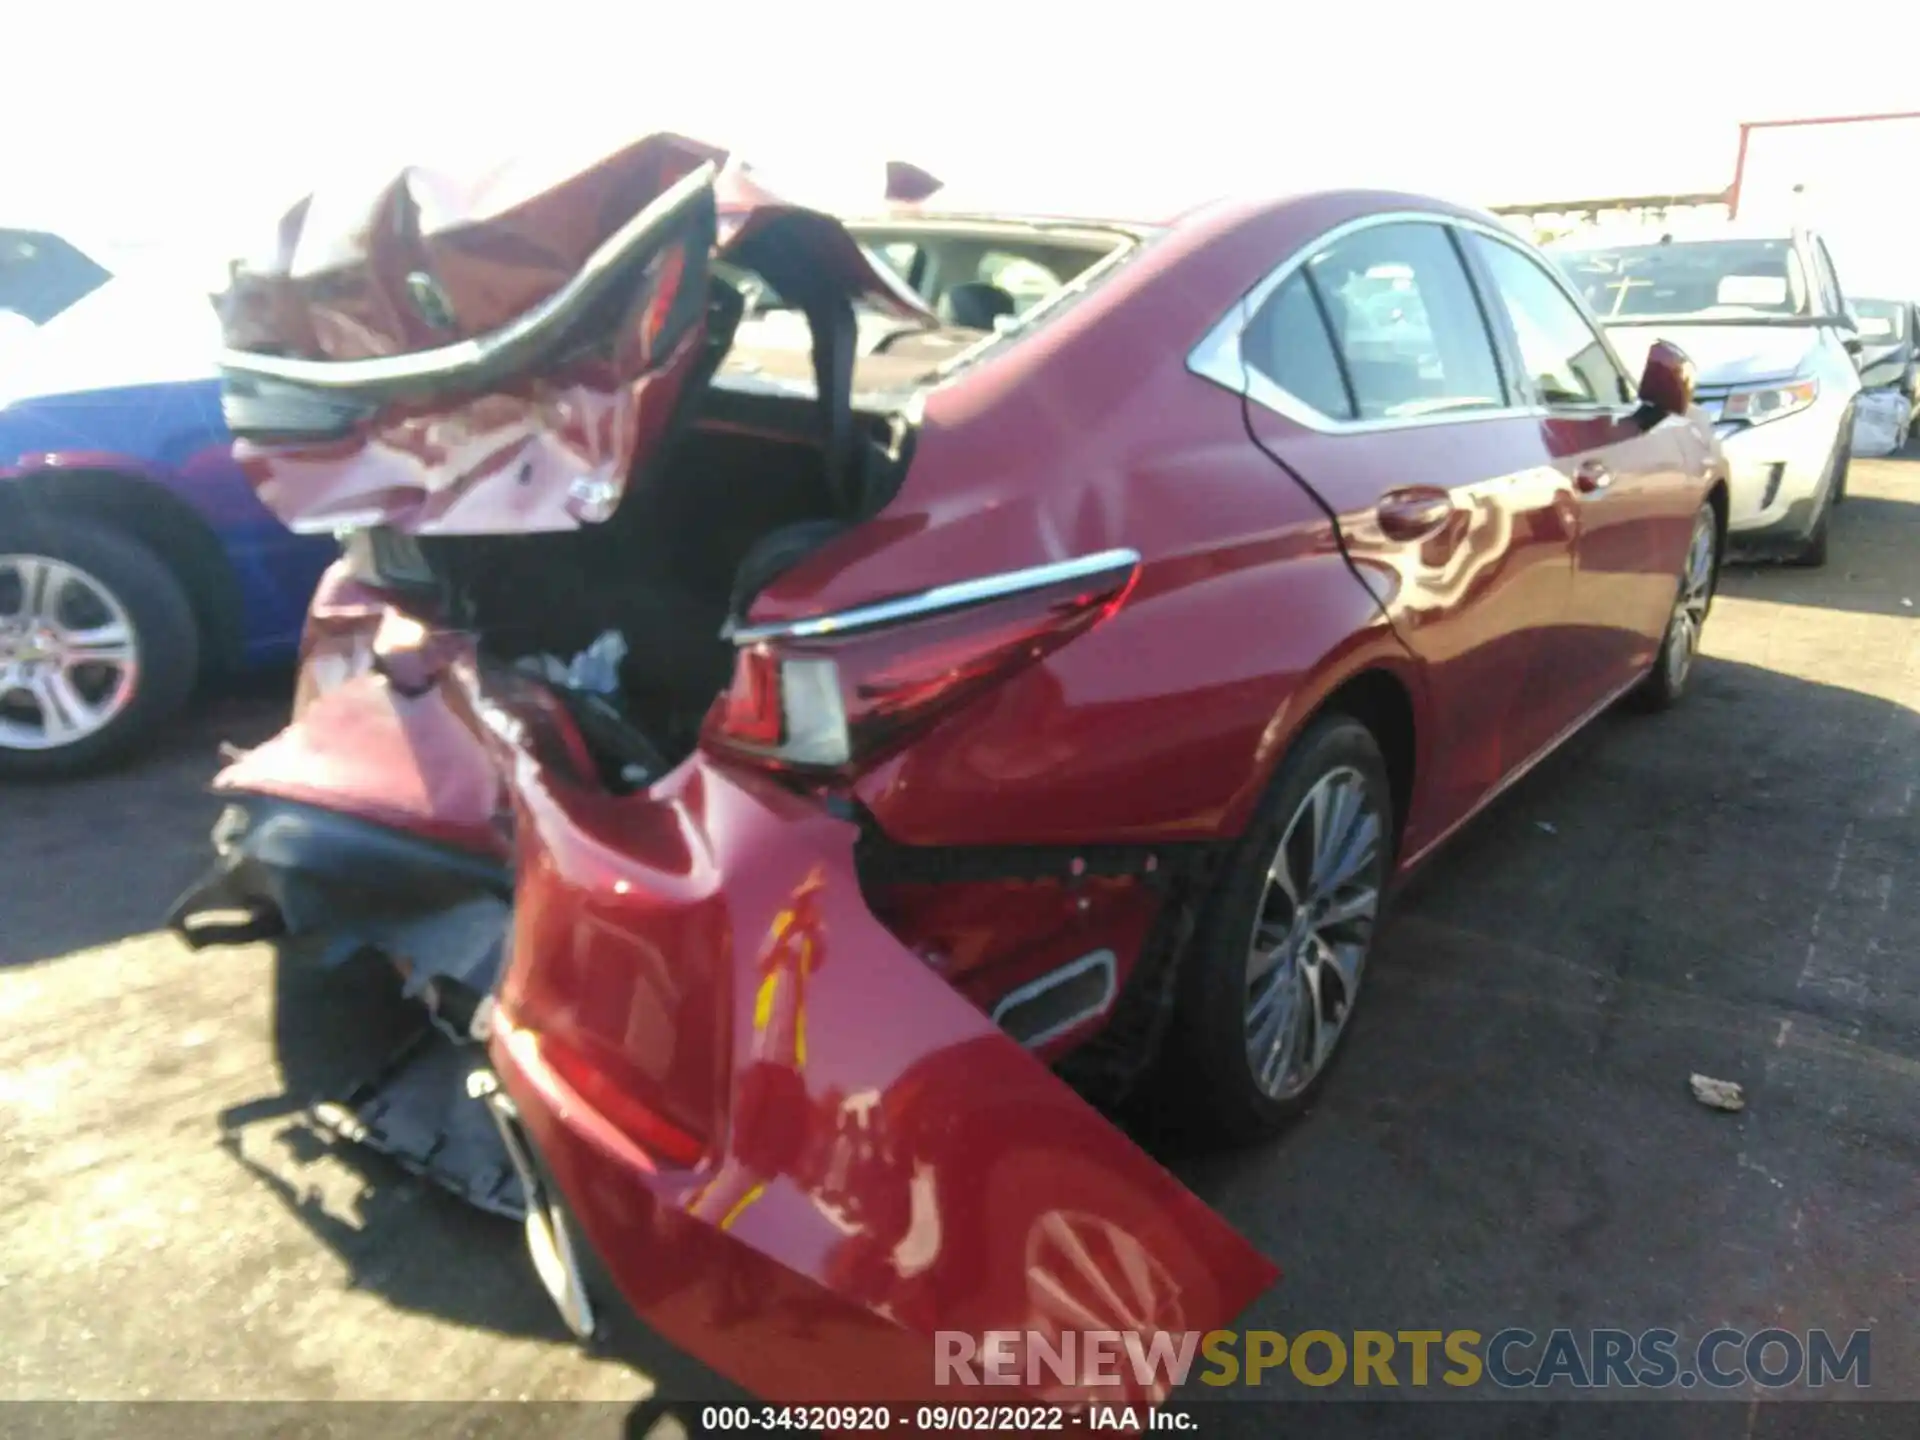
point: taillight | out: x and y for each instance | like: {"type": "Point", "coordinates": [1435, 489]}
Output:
{"type": "Point", "coordinates": [832, 694]}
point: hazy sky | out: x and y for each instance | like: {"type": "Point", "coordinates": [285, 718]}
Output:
{"type": "Point", "coordinates": [202, 119]}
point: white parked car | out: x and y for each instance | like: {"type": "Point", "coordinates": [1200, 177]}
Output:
{"type": "Point", "coordinates": [1775, 346]}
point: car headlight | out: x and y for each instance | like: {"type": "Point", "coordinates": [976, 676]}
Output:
{"type": "Point", "coordinates": [1770, 402]}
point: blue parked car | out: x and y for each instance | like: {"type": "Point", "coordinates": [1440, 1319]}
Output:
{"type": "Point", "coordinates": [135, 562]}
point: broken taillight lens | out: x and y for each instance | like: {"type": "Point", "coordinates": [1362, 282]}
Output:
{"type": "Point", "coordinates": [834, 702]}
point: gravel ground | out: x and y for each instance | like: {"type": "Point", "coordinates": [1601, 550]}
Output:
{"type": "Point", "coordinates": [1510, 1141]}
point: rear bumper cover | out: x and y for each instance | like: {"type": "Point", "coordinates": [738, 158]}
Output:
{"type": "Point", "coordinates": [882, 1163]}
{"type": "Point", "coordinates": [651, 1268]}
{"type": "Point", "coordinates": [798, 1152]}
{"type": "Point", "coordinates": [282, 868]}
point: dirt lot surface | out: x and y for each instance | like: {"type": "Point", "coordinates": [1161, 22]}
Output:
{"type": "Point", "coordinates": [1510, 1140]}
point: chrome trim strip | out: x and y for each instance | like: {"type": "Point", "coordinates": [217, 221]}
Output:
{"type": "Point", "coordinates": [1096, 960]}
{"type": "Point", "coordinates": [940, 599]}
{"type": "Point", "coordinates": [549, 1241]}
{"type": "Point", "coordinates": [1065, 232]}
{"type": "Point", "coordinates": [1218, 357]}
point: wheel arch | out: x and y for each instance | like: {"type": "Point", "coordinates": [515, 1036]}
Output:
{"type": "Point", "coordinates": [136, 506]}
{"type": "Point", "coordinates": [1381, 689]}
{"type": "Point", "coordinates": [1381, 701]}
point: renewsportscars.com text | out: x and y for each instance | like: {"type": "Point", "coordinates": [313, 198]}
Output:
{"type": "Point", "coordinates": [1512, 1358]}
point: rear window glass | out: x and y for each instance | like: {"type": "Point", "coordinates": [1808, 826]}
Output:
{"type": "Point", "coordinates": [1881, 319]}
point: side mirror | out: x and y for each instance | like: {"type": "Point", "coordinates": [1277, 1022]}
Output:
{"type": "Point", "coordinates": [1666, 384]}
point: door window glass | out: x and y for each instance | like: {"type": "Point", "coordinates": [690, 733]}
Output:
{"type": "Point", "coordinates": [1408, 330]}
{"type": "Point", "coordinates": [1565, 360]}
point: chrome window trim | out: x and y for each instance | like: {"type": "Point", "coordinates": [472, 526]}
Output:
{"type": "Point", "coordinates": [1102, 960]}
{"type": "Point", "coordinates": [1087, 234]}
{"type": "Point", "coordinates": [1218, 356]}
{"type": "Point", "coordinates": [941, 599]}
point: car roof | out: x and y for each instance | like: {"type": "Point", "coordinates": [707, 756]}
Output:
{"type": "Point", "coordinates": [1679, 232]}
{"type": "Point", "coordinates": [1141, 209]}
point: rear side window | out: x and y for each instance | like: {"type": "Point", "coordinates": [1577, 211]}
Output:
{"type": "Point", "coordinates": [1406, 325]}
{"type": "Point", "coordinates": [1288, 343]}
{"type": "Point", "coordinates": [1563, 355]}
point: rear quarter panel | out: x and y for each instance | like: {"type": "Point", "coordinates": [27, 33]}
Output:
{"type": "Point", "coordinates": [1165, 720]}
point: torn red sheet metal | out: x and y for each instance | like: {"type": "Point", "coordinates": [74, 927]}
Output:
{"type": "Point", "coordinates": [341, 283]}
{"type": "Point", "coordinates": [776, 1134]}
{"type": "Point", "coordinates": [798, 1152]}
{"type": "Point", "coordinates": [507, 353]}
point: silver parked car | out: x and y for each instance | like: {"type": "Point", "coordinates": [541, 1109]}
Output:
{"type": "Point", "coordinates": [1775, 346]}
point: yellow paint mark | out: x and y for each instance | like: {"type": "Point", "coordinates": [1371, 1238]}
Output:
{"type": "Point", "coordinates": [763, 1002]}
{"type": "Point", "coordinates": [740, 1205]}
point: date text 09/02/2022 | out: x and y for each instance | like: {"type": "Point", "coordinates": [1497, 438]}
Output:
{"type": "Point", "coordinates": [943, 1419]}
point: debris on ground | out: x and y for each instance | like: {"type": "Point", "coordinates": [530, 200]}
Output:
{"type": "Point", "coordinates": [1718, 1094]}
{"type": "Point", "coordinates": [1548, 826]}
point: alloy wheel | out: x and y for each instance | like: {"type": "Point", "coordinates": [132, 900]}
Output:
{"type": "Point", "coordinates": [1312, 932]}
{"type": "Point", "coordinates": [1085, 1276]}
{"type": "Point", "coordinates": [1690, 605]}
{"type": "Point", "coordinates": [69, 657]}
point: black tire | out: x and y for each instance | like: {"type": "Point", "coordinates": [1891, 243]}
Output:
{"type": "Point", "coordinates": [1205, 1085]}
{"type": "Point", "coordinates": [1665, 683]}
{"type": "Point", "coordinates": [1812, 553]}
{"type": "Point", "coordinates": [164, 629]}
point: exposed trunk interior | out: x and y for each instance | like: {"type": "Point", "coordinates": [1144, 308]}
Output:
{"type": "Point", "coordinates": [744, 493]}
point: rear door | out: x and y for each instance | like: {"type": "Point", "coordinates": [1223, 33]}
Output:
{"type": "Point", "coordinates": [1373, 373]}
{"type": "Point", "coordinates": [1633, 509]}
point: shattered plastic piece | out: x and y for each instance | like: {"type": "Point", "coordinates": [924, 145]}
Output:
{"type": "Point", "coordinates": [1548, 826]}
{"type": "Point", "coordinates": [1880, 423]}
{"type": "Point", "coordinates": [1718, 1094]}
{"type": "Point", "coordinates": [550, 668]}
{"type": "Point", "coordinates": [596, 669]}
{"type": "Point", "coordinates": [419, 1110]}
{"type": "Point", "coordinates": [461, 943]}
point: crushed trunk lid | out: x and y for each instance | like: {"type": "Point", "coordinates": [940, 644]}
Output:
{"type": "Point", "coordinates": [510, 352]}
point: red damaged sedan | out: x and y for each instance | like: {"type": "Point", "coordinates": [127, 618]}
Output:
{"type": "Point", "coordinates": [817, 710]}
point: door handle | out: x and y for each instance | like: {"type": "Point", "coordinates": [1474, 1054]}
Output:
{"type": "Point", "coordinates": [1413, 514]}
{"type": "Point", "coordinates": [1592, 477]}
